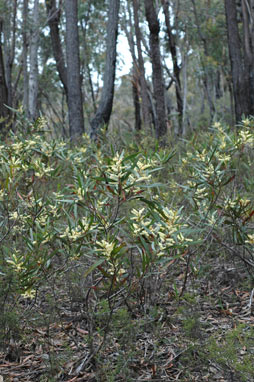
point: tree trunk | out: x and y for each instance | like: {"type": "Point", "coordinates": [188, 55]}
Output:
{"type": "Point", "coordinates": [25, 50]}
{"type": "Point", "coordinates": [34, 74]}
{"type": "Point", "coordinates": [239, 76]}
{"type": "Point", "coordinates": [74, 99]}
{"type": "Point", "coordinates": [3, 87]}
{"type": "Point", "coordinates": [207, 74]}
{"type": "Point", "coordinates": [10, 44]}
{"type": "Point", "coordinates": [104, 110]}
{"type": "Point", "coordinates": [135, 72]}
{"type": "Point", "coordinates": [91, 86]}
{"type": "Point", "coordinates": [86, 66]}
{"type": "Point", "coordinates": [136, 98]}
{"type": "Point", "coordinates": [248, 39]}
{"type": "Point", "coordinates": [185, 120]}
{"type": "Point", "coordinates": [176, 67]}
{"type": "Point", "coordinates": [145, 102]}
{"type": "Point", "coordinates": [53, 21]}
{"type": "Point", "coordinates": [157, 75]}
{"type": "Point", "coordinates": [218, 91]}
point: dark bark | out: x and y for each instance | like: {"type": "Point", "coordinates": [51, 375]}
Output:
{"type": "Point", "coordinates": [3, 86]}
{"type": "Point", "coordinates": [104, 110]}
{"type": "Point", "coordinates": [145, 102]}
{"type": "Point", "coordinates": [54, 15]}
{"type": "Point", "coordinates": [157, 75]}
{"type": "Point", "coordinates": [74, 99]}
{"type": "Point", "coordinates": [136, 98]}
{"type": "Point", "coordinates": [218, 91]}
{"type": "Point", "coordinates": [176, 66]}
{"type": "Point", "coordinates": [248, 39]}
{"type": "Point", "coordinates": [239, 71]}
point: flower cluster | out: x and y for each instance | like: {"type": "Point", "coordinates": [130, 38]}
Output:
{"type": "Point", "coordinates": [164, 234]}
{"type": "Point", "coordinates": [77, 232]}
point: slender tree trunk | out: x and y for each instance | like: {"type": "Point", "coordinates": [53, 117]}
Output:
{"type": "Point", "coordinates": [136, 98]}
{"type": "Point", "coordinates": [158, 82]}
{"type": "Point", "coordinates": [25, 50]}
{"type": "Point", "coordinates": [176, 67]}
{"type": "Point", "coordinates": [91, 86]}
{"type": "Point", "coordinates": [3, 86]}
{"type": "Point", "coordinates": [135, 71]}
{"type": "Point", "coordinates": [145, 102]}
{"type": "Point", "coordinates": [218, 91]}
{"type": "Point", "coordinates": [53, 21]}
{"type": "Point", "coordinates": [185, 90]}
{"type": "Point", "coordinates": [240, 82]}
{"type": "Point", "coordinates": [104, 110]}
{"type": "Point", "coordinates": [248, 38]}
{"type": "Point", "coordinates": [75, 105]}
{"type": "Point", "coordinates": [10, 44]}
{"type": "Point", "coordinates": [84, 28]}
{"type": "Point", "coordinates": [34, 74]}
{"type": "Point", "coordinates": [232, 103]}
{"type": "Point", "coordinates": [207, 75]}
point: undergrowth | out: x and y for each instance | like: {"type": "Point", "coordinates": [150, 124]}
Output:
{"type": "Point", "coordinates": [101, 233]}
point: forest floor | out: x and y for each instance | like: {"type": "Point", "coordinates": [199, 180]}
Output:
{"type": "Point", "coordinates": [173, 326]}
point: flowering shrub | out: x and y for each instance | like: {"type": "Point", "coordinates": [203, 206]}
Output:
{"type": "Point", "coordinates": [68, 203]}
{"type": "Point", "coordinates": [60, 204]}
{"type": "Point", "coordinates": [217, 185]}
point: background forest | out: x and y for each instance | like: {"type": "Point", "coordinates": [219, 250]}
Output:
{"type": "Point", "coordinates": [184, 72]}
{"type": "Point", "coordinates": [126, 190]}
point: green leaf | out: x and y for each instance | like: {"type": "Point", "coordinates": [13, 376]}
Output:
{"type": "Point", "coordinates": [93, 267]}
